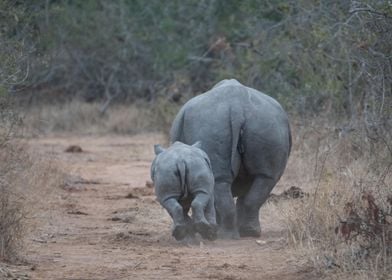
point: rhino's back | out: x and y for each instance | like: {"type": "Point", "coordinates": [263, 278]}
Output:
{"type": "Point", "coordinates": [181, 170]}
{"type": "Point", "coordinates": [168, 162]}
{"type": "Point", "coordinates": [231, 97]}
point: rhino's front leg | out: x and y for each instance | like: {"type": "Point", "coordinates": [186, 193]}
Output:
{"type": "Point", "coordinates": [176, 211]}
{"type": "Point", "coordinates": [225, 211]}
{"type": "Point", "coordinates": [199, 208]}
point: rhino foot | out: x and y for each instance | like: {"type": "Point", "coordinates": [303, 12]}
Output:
{"type": "Point", "coordinates": [249, 232]}
{"type": "Point", "coordinates": [180, 232]}
{"type": "Point", "coordinates": [228, 234]}
{"type": "Point", "coordinates": [207, 231]}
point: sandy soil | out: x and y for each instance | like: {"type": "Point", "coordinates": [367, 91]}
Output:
{"type": "Point", "coordinates": [104, 223]}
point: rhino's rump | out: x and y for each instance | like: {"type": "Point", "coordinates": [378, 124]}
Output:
{"type": "Point", "coordinates": [182, 176]}
{"type": "Point", "coordinates": [237, 126]}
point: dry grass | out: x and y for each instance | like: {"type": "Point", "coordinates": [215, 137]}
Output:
{"type": "Point", "coordinates": [343, 174]}
{"type": "Point", "coordinates": [25, 176]}
{"type": "Point", "coordinates": [11, 228]}
{"type": "Point", "coordinates": [86, 118]}
{"type": "Point", "coordinates": [345, 225]}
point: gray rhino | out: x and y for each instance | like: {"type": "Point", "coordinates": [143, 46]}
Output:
{"type": "Point", "coordinates": [183, 179]}
{"type": "Point", "coordinates": [247, 137]}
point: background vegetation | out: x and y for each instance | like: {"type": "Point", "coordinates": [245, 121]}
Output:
{"type": "Point", "coordinates": [73, 65]}
{"type": "Point", "coordinates": [312, 55]}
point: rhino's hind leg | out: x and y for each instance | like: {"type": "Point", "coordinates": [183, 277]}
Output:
{"type": "Point", "coordinates": [248, 206]}
{"type": "Point", "coordinates": [206, 230]}
{"type": "Point", "coordinates": [180, 227]}
{"type": "Point", "coordinates": [225, 212]}
{"type": "Point", "coordinates": [201, 225]}
{"type": "Point", "coordinates": [210, 212]}
{"type": "Point", "coordinates": [180, 232]}
{"type": "Point", "coordinates": [189, 223]}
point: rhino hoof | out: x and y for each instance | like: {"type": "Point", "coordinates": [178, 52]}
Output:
{"type": "Point", "coordinates": [206, 231]}
{"type": "Point", "coordinates": [228, 234]}
{"type": "Point", "coordinates": [180, 232]}
{"type": "Point", "coordinates": [249, 232]}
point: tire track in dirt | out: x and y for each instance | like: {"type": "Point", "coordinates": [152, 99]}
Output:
{"type": "Point", "coordinates": [104, 223]}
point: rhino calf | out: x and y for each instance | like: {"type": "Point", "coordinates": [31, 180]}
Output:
{"type": "Point", "coordinates": [183, 179]}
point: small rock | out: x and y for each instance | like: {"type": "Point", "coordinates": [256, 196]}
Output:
{"type": "Point", "coordinates": [149, 184]}
{"type": "Point", "coordinates": [76, 212]}
{"type": "Point", "coordinates": [261, 242]}
{"type": "Point", "coordinates": [131, 196]}
{"type": "Point", "coordinates": [74, 149]}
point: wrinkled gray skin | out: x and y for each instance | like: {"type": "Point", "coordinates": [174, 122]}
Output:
{"type": "Point", "coordinates": [246, 135]}
{"type": "Point", "coordinates": [183, 179]}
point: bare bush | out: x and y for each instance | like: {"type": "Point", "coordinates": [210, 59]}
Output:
{"type": "Point", "coordinates": [20, 176]}
{"type": "Point", "coordinates": [24, 177]}
{"type": "Point", "coordinates": [11, 200]}
{"type": "Point", "coordinates": [11, 227]}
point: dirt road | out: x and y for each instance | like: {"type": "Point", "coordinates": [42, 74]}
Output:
{"type": "Point", "coordinates": [104, 223]}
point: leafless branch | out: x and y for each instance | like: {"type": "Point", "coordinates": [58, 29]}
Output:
{"type": "Point", "coordinates": [369, 10]}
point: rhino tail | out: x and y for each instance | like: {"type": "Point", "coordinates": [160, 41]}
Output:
{"type": "Point", "coordinates": [290, 139]}
{"type": "Point", "coordinates": [181, 169]}
{"type": "Point", "coordinates": [237, 148]}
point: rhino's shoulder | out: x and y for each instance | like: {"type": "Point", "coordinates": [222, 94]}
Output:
{"type": "Point", "coordinates": [179, 150]}
{"type": "Point", "coordinates": [228, 92]}
{"type": "Point", "coordinates": [178, 145]}
{"type": "Point", "coordinates": [219, 93]}
{"type": "Point", "coordinates": [227, 82]}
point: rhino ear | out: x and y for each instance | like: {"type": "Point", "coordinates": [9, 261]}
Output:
{"type": "Point", "coordinates": [158, 149]}
{"type": "Point", "coordinates": [197, 145]}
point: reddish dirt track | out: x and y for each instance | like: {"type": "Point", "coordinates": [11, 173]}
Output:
{"type": "Point", "coordinates": [104, 223]}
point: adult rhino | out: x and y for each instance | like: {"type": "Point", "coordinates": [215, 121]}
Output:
{"type": "Point", "coordinates": [246, 135]}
